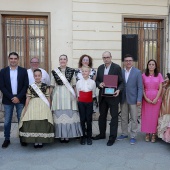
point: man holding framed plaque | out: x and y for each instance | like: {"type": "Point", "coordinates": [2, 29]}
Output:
{"type": "Point", "coordinates": [110, 87]}
{"type": "Point", "coordinates": [110, 83]}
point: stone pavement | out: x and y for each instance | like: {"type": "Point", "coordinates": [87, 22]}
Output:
{"type": "Point", "coordinates": [73, 156]}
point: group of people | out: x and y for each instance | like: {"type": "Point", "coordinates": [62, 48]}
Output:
{"type": "Point", "coordinates": [63, 106]}
{"type": "Point", "coordinates": [146, 90]}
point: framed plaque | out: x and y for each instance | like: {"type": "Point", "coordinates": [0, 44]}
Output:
{"type": "Point", "coordinates": [109, 91]}
{"type": "Point", "coordinates": [110, 82]}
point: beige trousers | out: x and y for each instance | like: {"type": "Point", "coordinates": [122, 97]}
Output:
{"type": "Point", "coordinates": [126, 110]}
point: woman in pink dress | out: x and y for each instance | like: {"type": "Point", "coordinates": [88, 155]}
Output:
{"type": "Point", "coordinates": [152, 83]}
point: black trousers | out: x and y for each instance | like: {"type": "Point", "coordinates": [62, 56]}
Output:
{"type": "Point", "coordinates": [86, 111]}
{"type": "Point", "coordinates": [104, 105]}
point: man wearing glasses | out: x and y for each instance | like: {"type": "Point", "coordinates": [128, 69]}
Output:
{"type": "Point", "coordinates": [13, 84]}
{"type": "Point", "coordinates": [131, 98]}
{"type": "Point", "coordinates": [34, 63]}
{"type": "Point", "coordinates": [111, 102]}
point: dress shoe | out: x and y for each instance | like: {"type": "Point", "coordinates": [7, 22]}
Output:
{"type": "Point", "coordinates": [83, 141]}
{"type": "Point", "coordinates": [62, 140]}
{"type": "Point", "coordinates": [66, 140]}
{"type": "Point", "coordinates": [89, 141]}
{"type": "Point", "coordinates": [110, 142]}
{"type": "Point", "coordinates": [40, 146]}
{"type": "Point", "coordinates": [6, 143]}
{"type": "Point", "coordinates": [23, 143]}
{"type": "Point", "coordinates": [36, 146]}
{"type": "Point", "coordinates": [99, 137]}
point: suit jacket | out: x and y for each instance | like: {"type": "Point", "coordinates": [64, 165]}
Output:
{"type": "Point", "coordinates": [133, 90]}
{"type": "Point", "coordinates": [5, 85]}
{"type": "Point", "coordinates": [114, 70]}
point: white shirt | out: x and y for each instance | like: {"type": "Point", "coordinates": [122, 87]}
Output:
{"type": "Point", "coordinates": [78, 74]}
{"type": "Point", "coordinates": [127, 74]}
{"type": "Point", "coordinates": [106, 70]}
{"type": "Point", "coordinates": [86, 86]}
{"type": "Point", "coordinates": [45, 77]}
{"type": "Point", "coordinates": [14, 81]}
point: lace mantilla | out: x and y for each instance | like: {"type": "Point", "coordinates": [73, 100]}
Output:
{"type": "Point", "coordinates": [64, 119]}
{"type": "Point", "coordinates": [43, 135]}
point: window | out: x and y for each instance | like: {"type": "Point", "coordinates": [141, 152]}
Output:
{"type": "Point", "coordinates": [28, 36]}
{"type": "Point", "coordinates": [150, 39]}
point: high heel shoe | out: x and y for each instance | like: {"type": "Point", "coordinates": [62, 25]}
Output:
{"type": "Point", "coordinates": [153, 139]}
{"type": "Point", "coordinates": [147, 137]}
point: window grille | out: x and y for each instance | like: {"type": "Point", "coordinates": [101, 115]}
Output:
{"type": "Point", "coordinates": [28, 37]}
{"type": "Point", "coordinates": [150, 40]}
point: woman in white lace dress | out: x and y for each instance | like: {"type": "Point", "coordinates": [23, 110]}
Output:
{"type": "Point", "coordinates": [64, 103]}
{"type": "Point", "coordinates": [85, 60]}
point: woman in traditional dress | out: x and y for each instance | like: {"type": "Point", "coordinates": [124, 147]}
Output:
{"type": "Point", "coordinates": [36, 125]}
{"type": "Point", "coordinates": [64, 102]}
{"type": "Point", "coordinates": [152, 83]}
{"type": "Point", "coordinates": [164, 119]}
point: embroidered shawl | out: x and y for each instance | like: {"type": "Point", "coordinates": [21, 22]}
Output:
{"type": "Point", "coordinates": [69, 72]}
{"type": "Point", "coordinates": [43, 87]}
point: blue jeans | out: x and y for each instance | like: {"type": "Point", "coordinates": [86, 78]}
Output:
{"type": "Point", "coordinates": [8, 117]}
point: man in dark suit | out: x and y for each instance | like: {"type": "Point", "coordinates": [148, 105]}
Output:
{"type": "Point", "coordinates": [105, 103]}
{"type": "Point", "coordinates": [13, 84]}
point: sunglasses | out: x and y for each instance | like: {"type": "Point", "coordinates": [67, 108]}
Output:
{"type": "Point", "coordinates": [85, 60]}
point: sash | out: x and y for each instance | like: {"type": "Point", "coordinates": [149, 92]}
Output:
{"type": "Point", "coordinates": [65, 82]}
{"type": "Point", "coordinates": [40, 94]}
{"type": "Point", "coordinates": [85, 96]}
